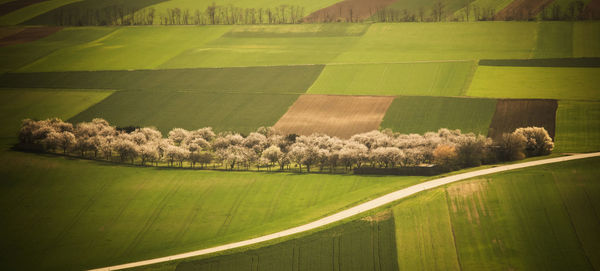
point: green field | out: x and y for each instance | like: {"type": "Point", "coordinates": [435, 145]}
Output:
{"type": "Point", "coordinates": [424, 236]}
{"type": "Point", "coordinates": [357, 245]}
{"type": "Point", "coordinates": [264, 46]}
{"type": "Point", "coordinates": [282, 79]}
{"type": "Point", "coordinates": [536, 82]}
{"type": "Point", "coordinates": [227, 99]}
{"type": "Point", "coordinates": [578, 126]}
{"type": "Point", "coordinates": [585, 44]}
{"type": "Point", "coordinates": [239, 112]}
{"type": "Point", "coordinates": [538, 218]}
{"type": "Point", "coordinates": [62, 213]}
{"type": "Point", "coordinates": [554, 40]}
{"type": "Point", "coordinates": [442, 41]}
{"type": "Point", "coordinates": [530, 219]}
{"type": "Point", "coordinates": [17, 56]}
{"type": "Point", "coordinates": [80, 214]}
{"type": "Point", "coordinates": [18, 104]}
{"type": "Point", "coordinates": [428, 79]}
{"type": "Point", "coordinates": [467, 114]}
{"type": "Point", "coordinates": [127, 48]}
{"type": "Point", "coordinates": [31, 11]}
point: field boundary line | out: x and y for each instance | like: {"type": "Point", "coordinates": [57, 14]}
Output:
{"type": "Point", "coordinates": [350, 212]}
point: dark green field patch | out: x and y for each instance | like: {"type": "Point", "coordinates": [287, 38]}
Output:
{"type": "Point", "coordinates": [294, 79]}
{"type": "Point", "coordinates": [543, 62]}
{"type": "Point", "coordinates": [240, 112]}
{"type": "Point", "coordinates": [554, 40]}
{"type": "Point", "coordinates": [357, 245]}
{"type": "Point", "coordinates": [425, 114]}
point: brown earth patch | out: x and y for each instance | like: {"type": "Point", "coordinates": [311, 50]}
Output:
{"type": "Point", "coordinates": [348, 11]}
{"type": "Point", "coordinates": [9, 30]}
{"type": "Point", "coordinates": [28, 34]}
{"type": "Point", "coordinates": [522, 10]}
{"type": "Point", "coordinates": [512, 114]}
{"type": "Point", "coordinates": [15, 5]}
{"type": "Point", "coordinates": [591, 10]}
{"type": "Point", "coordinates": [341, 116]}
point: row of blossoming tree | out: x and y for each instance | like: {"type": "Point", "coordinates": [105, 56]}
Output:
{"type": "Point", "coordinates": [267, 148]}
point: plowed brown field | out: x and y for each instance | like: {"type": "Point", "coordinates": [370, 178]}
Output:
{"type": "Point", "coordinates": [513, 114]}
{"type": "Point", "coordinates": [592, 10]}
{"type": "Point", "coordinates": [28, 34]}
{"type": "Point", "coordinates": [341, 116]}
{"type": "Point", "coordinates": [522, 9]}
{"type": "Point", "coordinates": [348, 10]}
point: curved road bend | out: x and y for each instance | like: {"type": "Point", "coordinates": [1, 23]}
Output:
{"type": "Point", "coordinates": [385, 199]}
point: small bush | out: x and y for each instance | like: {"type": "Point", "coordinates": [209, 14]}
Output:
{"type": "Point", "coordinates": [538, 142]}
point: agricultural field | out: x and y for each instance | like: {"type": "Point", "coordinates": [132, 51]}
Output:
{"type": "Point", "coordinates": [470, 115]}
{"type": "Point", "coordinates": [20, 55]}
{"type": "Point", "coordinates": [441, 41]}
{"type": "Point", "coordinates": [526, 219]}
{"type": "Point", "coordinates": [63, 213]}
{"type": "Point", "coordinates": [341, 116]}
{"type": "Point", "coordinates": [536, 82]}
{"type": "Point", "coordinates": [427, 79]}
{"type": "Point", "coordinates": [366, 244]}
{"type": "Point", "coordinates": [126, 48]}
{"type": "Point", "coordinates": [18, 104]}
{"type": "Point", "coordinates": [27, 34]}
{"type": "Point", "coordinates": [512, 114]}
{"type": "Point", "coordinates": [165, 110]}
{"type": "Point", "coordinates": [495, 5]}
{"type": "Point", "coordinates": [577, 126]}
{"type": "Point", "coordinates": [265, 46]}
{"type": "Point", "coordinates": [585, 45]}
{"type": "Point", "coordinates": [23, 14]}
{"type": "Point", "coordinates": [274, 79]}
{"type": "Point", "coordinates": [114, 214]}
{"type": "Point", "coordinates": [535, 218]}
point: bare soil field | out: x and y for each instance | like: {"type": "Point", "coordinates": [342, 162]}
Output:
{"type": "Point", "coordinates": [592, 10]}
{"type": "Point", "coordinates": [512, 114]}
{"type": "Point", "coordinates": [28, 34]}
{"type": "Point", "coordinates": [9, 30]}
{"type": "Point", "coordinates": [348, 11]}
{"type": "Point", "coordinates": [522, 10]}
{"type": "Point", "coordinates": [15, 5]}
{"type": "Point", "coordinates": [341, 116]}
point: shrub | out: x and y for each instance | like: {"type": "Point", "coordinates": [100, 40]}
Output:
{"type": "Point", "coordinates": [538, 141]}
{"type": "Point", "coordinates": [511, 147]}
{"type": "Point", "coordinates": [445, 156]}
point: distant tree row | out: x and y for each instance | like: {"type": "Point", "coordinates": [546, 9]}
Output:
{"type": "Point", "coordinates": [575, 10]}
{"type": "Point", "coordinates": [287, 14]}
{"type": "Point", "coordinates": [121, 15]}
{"type": "Point", "coordinates": [267, 149]}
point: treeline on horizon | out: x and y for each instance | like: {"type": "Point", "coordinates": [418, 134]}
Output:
{"type": "Point", "coordinates": [289, 14]}
{"type": "Point", "coordinates": [268, 148]}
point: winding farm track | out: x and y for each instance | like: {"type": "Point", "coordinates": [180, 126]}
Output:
{"type": "Point", "coordinates": [383, 200]}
